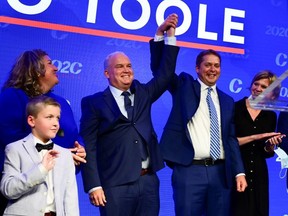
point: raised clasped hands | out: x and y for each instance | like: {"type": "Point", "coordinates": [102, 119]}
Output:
{"type": "Point", "coordinates": [169, 26]}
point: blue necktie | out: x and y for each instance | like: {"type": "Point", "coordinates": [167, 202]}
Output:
{"type": "Point", "coordinates": [214, 128]}
{"type": "Point", "coordinates": [127, 104]}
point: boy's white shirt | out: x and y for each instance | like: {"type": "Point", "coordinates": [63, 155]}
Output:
{"type": "Point", "coordinates": [49, 178]}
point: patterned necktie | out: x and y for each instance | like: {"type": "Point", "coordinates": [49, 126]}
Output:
{"type": "Point", "coordinates": [127, 103]}
{"type": "Point", "coordinates": [214, 128]}
{"type": "Point", "coordinates": [40, 146]}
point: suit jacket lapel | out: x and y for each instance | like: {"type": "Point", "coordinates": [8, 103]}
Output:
{"type": "Point", "coordinates": [111, 103]}
{"type": "Point", "coordinates": [191, 100]}
{"type": "Point", "coordinates": [136, 98]}
{"type": "Point", "coordinates": [223, 107]}
{"type": "Point", "coordinates": [58, 168]}
{"type": "Point", "coordinates": [28, 145]}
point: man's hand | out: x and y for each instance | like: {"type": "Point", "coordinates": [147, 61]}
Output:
{"type": "Point", "coordinates": [97, 197]}
{"type": "Point", "coordinates": [171, 32]}
{"type": "Point", "coordinates": [169, 23]}
{"type": "Point", "coordinates": [78, 153]}
{"type": "Point", "coordinates": [241, 183]}
{"type": "Point", "coordinates": [48, 160]}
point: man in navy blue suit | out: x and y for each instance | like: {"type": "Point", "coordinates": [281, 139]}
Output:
{"type": "Point", "coordinates": [201, 179]}
{"type": "Point", "coordinates": [123, 154]}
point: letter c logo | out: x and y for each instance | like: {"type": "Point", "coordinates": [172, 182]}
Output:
{"type": "Point", "coordinates": [281, 59]}
{"type": "Point", "coordinates": [235, 85]}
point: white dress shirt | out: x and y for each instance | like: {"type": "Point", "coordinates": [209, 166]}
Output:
{"type": "Point", "coordinates": [199, 125]}
{"type": "Point", "coordinates": [49, 178]}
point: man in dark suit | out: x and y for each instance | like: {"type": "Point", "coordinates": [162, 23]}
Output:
{"type": "Point", "coordinates": [123, 155]}
{"type": "Point", "coordinates": [201, 178]}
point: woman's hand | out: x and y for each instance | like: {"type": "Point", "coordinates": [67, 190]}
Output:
{"type": "Point", "coordinates": [78, 153]}
{"type": "Point", "coordinates": [272, 142]}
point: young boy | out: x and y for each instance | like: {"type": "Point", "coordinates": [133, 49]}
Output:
{"type": "Point", "coordinates": [39, 177]}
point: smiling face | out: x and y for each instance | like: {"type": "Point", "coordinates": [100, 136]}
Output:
{"type": "Point", "coordinates": [259, 86]}
{"type": "Point", "coordinates": [261, 81]}
{"type": "Point", "coordinates": [209, 69]}
{"type": "Point", "coordinates": [119, 71]}
{"type": "Point", "coordinates": [50, 78]}
{"type": "Point", "coordinates": [46, 124]}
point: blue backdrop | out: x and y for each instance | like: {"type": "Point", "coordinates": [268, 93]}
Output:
{"type": "Point", "coordinates": [79, 34]}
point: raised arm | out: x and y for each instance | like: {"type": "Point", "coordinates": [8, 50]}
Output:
{"type": "Point", "coordinates": [156, 47]}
